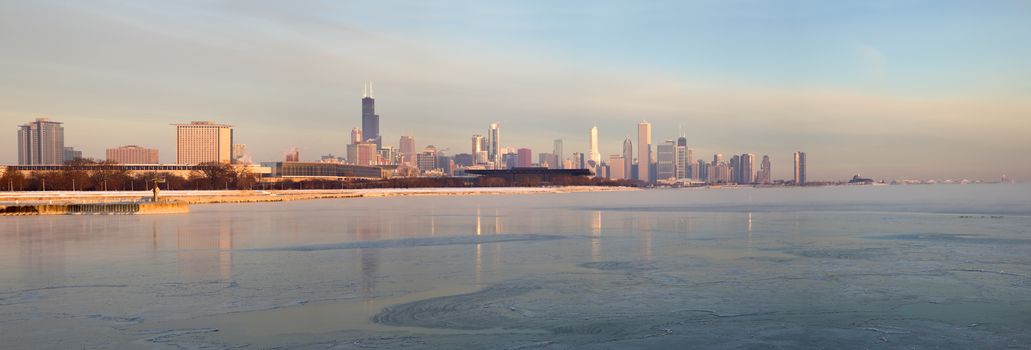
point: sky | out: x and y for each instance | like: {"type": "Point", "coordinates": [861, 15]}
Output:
{"type": "Point", "coordinates": [887, 89]}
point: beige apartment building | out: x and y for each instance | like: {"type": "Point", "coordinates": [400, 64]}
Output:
{"type": "Point", "coordinates": [132, 154]}
{"type": "Point", "coordinates": [202, 142]}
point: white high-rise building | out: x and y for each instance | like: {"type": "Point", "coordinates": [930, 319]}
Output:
{"type": "Point", "coordinates": [594, 156]}
{"type": "Point", "coordinates": [800, 168]}
{"type": "Point", "coordinates": [203, 142]}
{"type": "Point", "coordinates": [644, 151]}
{"type": "Point", "coordinates": [494, 144]}
{"type": "Point", "coordinates": [477, 144]}
{"type": "Point", "coordinates": [683, 158]}
{"type": "Point", "coordinates": [747, 168]}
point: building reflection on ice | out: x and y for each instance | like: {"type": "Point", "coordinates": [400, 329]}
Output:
{"type": "Point", "coordinates": [596, 236]}
{"type": "Point", "coordinates": [203, 254]}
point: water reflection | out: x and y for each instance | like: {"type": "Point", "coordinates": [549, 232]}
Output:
{"type": "Point", "coordinates": [367, 228]}
{"type": "Point", "coordinates": [40, 255]}
{"type": "Point", "coordinates": [596, 236]}
{"type": "Point", "coordinates": [749, 233]}
{"type": "Point", "coordinates": [198, 250]}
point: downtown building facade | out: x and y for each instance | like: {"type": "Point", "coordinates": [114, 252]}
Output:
{"type": "Point", "coordinates": [41, 142]}
{"type": "Point", "coordinates": [203, 142]}
{"type": "Point", "coordinates": [666, 161]}
{"type": "Point", "coordinates": [70, 153]}
{"type": "Point", "coordinates": [407, 148]}
{"type": "Point", "coordinates": [525, 156]}
{"type": "Point", "coordinates": [557, 151]}
{"type": "Point", "coordinates": [595, 156]}
{"type": "Point", "coordinates": [628, 159]}
{"type": "Point", "coordinates": [800, 168]}
{"type": "Point", "coordinates": [617, 167]}
{"type": "Point", "coordinates": [370, 120]}
{"type": "Point", "coordinates": [644, 152]}
{"type": "Point", "coordinates": [494, 155]}
{"type": "Point", "coordinates": [132, 154]}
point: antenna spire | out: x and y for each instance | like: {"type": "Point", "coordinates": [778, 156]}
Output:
{"type": "Point", "coordinates": [370, 90]}
{"type": "Point", "coordinates": [365, 90]}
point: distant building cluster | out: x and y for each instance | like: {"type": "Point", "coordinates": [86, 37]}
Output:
{"type": "Point", "coordinates": [671, 162]}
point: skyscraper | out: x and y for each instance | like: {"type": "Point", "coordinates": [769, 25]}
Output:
{"type": "Point", "coordinates": [579, 161]}
{"type": "Point", "coordinates": [132, 154]}
{"type": "Point", "coordinates": [548, 160]}
{"type": "Point", "coordinates": [800, 168]}
{"type": "Point", "coordinates": [356, 136]}
{"type": "Point", "coordinates": [765, 171]}
{"type": "Point", "coordinates": [407, 147]}
{"type": "Point", "coordinates": [477, 145]}
{"type": "Point", "coordinates": [41, 142]}
{"type": "Point", "coordinates": [292, 155]}
{"type": "Point", "coordinates": [509, 160]}
{"type": "Point", "coordinates": [683, 161]}
{"type": "Point", "coordinates": [595, 157]}
{"type": "Point", "coordinates": [366, 153]}
{"type": "Point", "coordinates": [202, 142]}
{"type": "Point", "coordinates": [616, 167]}
{"type": "Point", "coordinates": [666, 160]}
{"type": "Point", "coordinates": [644, 151]}
{"type": "Point", "coordinates": [628, 158]}
{"type": "Point", "coordinates": [427, 160]}
{"type": "Point", "coordinates": [370, 120]}
{"type": "Point", "coordinates": [494, 144]}
{"type": "Point", "coordinates": [70, 153]}
{"type": "Point", "coordinates": [557, 150]}
{"type": "Point", "coordinates": [525, 157]}
{"type": "Point", "coordinates": [747, 169]}
{"type": "Point", "coordinates": [735, 169]}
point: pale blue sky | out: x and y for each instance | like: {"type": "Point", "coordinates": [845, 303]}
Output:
{"type": "Point", "coordinates": [886, 88]}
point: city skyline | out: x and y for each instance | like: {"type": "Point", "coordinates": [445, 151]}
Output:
{"type": "Point", "coordinates": [868, 100]}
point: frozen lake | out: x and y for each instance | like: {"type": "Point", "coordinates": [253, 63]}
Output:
{"type": "Point", "coordinates": [836, 267]}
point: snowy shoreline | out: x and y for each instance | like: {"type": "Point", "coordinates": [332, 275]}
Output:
{"type": "Point", "coordinates": [206, 197]}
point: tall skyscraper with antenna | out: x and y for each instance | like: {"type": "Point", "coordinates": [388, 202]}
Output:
{"type": "Point", "coordinates": [370, 120]}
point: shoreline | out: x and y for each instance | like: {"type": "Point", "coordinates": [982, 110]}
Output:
{"type": "Point", "coordinates": [259, 196]}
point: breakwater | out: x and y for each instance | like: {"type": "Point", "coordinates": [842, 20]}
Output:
{"type": "Point", "coordinates": [94, 209]}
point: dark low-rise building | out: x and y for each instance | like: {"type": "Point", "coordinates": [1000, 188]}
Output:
{"type": "Point", "coordinates": [325, 170]}
{"type": "Point", "coordinates": [543, 174]}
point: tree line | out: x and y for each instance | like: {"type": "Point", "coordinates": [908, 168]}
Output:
{"type": "Point", "coordinates": [94, 175]}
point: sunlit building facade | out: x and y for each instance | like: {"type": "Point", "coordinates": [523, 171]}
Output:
{"type": "Point", "coordinates": [203, 142]}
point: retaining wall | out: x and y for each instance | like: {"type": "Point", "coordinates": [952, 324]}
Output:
{"type": "Point", "coordinates": [95, 209]}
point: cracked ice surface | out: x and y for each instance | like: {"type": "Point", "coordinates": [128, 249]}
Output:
{"type": "Point", "coordinates": [842, 267]}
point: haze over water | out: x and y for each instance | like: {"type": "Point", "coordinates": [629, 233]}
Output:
{"type": "Point", "coordinates": [829, 267]}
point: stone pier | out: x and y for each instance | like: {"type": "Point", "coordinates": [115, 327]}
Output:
{"type": "Point", "coordinates": [95, 209]}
